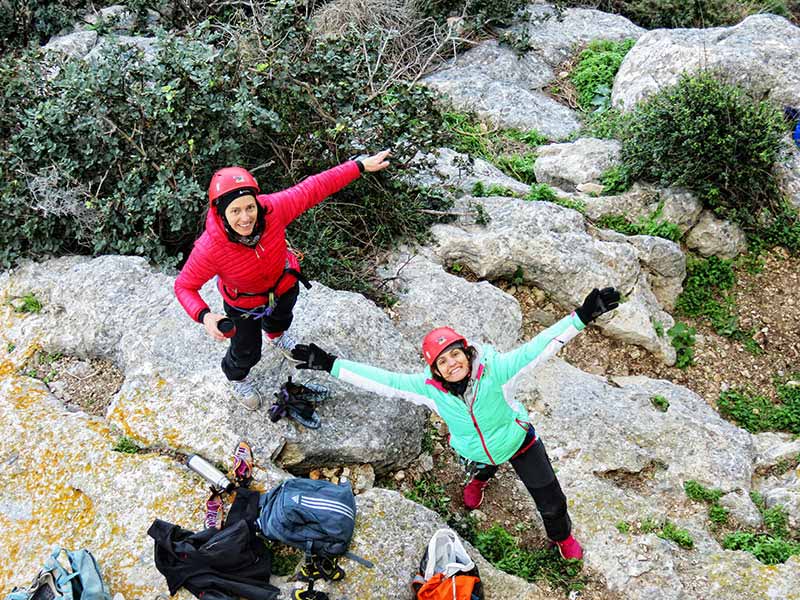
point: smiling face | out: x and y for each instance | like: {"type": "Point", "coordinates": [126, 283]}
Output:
{"type": "Point", "coordinates": [241, 215]}
{"type": "Point", "coordinates": [452, 364]}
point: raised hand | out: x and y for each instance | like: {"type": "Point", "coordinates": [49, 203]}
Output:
{"type": "Point", "coordinates": [597, 303]}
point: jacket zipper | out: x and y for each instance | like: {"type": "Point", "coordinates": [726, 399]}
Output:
{"type": "Point", "coordinates": [475, 422]}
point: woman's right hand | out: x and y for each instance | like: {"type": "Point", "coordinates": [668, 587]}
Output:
{"type": "Point", "coordinates": [210, 321]}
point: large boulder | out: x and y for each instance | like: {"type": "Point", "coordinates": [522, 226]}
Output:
{"type": "Point", "coordinates": [554, 34]}
{"type": "Point", "coordinates": [675, 205]}
{"type": "Point", "coordinates": [714, 237]}
{"type": "Point", "coordinates": [549, 246]}
{"type": "Point", "coordinates": [118, 308]}
{"type": "Point", "coordinates": [430, 297]}
{"type": "Point", "coordinates": [760, 54]}
{"type": "Point", "coordinates": [504, 89]}
{"type": "Point", "coordinates": [569, 165]}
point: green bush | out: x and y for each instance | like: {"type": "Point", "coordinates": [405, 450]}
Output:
{"type": "Point", "coordinates": [593, 75]}
{"type": "Point", "coordinates": [712, 139]}
{"type": "Point", "coordinates": [541, 192]}
{"type": "Point", "coordinates": [119, 153]}
{"type": "Point", "coordinates": [766, 548]}
{"type": "Point", "coordinates": [651, 225]}
{"type": "Point", "coordinates": [615, 180]}
{"type": "Point", "coordinates": [518, 167]}
{"type": "Point", "coordinates": [608, 124]}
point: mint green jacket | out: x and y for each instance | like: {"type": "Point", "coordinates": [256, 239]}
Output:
{"type": "Point", "coordinates": [487, 424]}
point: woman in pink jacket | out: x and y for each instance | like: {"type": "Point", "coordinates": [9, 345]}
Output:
{"type": "Point", "coordinates": [244, 246]}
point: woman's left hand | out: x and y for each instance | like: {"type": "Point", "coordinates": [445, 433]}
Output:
{"type": "Point", "coordinates": [376, 162]}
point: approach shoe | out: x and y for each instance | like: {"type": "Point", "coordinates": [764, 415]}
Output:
{"type": "Point", "coordinates": [569, 548]}
{"type": "Point", "coordinates": [243, 464]}
{"type": "Point", "coordinates": [214, 512]}
{"type": "Point", "coordinates": [246, 393]}
{"type": "Point", "coordinates": [285, 342]}
{"type": "Point", "coordinates": [473, 493]}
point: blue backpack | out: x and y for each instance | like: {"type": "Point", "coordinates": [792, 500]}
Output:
{"type": "Point", "coordinates": [81, 581]}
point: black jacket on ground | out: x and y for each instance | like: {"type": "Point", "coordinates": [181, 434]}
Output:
{"type": "Point", "coordinates": [217, 564]}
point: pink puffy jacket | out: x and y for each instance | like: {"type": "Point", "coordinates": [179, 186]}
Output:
{"type": "Point", "coordinates": [254, 270]}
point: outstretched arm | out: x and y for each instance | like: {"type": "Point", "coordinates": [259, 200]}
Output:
{"type": "Point", "coordinates": [551, 340]}
{"type": "Point", "coordinates": [294, 201]}
{"type": "Point", "coordinates": [408, 386]}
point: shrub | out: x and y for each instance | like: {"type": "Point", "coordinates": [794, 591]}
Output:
{"type": "Point", "coordinates": [651, 225]}
{"type": "Point", "coordinates": [712, 139]}
{"type": "Point", "coordinates": [593, 75]}
{"type": "Point", "coordinates": [766, 548]}
{"type": "Point", "coordinates": [608, 124]}
{"type": "Point", "coordinates": [518, 167]}
{"type": "Point", "coordinates": [615, 180]}
{"type": "Point", "coordinates": [134, 143]}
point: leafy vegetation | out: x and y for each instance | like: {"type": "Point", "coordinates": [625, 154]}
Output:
{"type": "Point", "coordinates": [774, 544]}
{"type": "Point", "coordinates": [757, 413]}
{"type": "Point", "coordinates": [126, 445]}
{"type": "Point", "coordinates": [706, 295]}
{"type": "Point", "coordinates": [651, 225]}
{"type": "Point", "coordinates": [117, 153]}
{"type": "Point", "coordinates": [713, 139]}
{"type": "Point", "coordinates": [681, 337]}
{"type": "Point", "coordinates": [593, 75]}
{"type": "Point", "coordinates": [615, 180]}
{"type": "Point", "coordinates": [661, 403]}
{"type": "Point", "coordinates": [698, 492]}
{"type": "Point", "coordinates": [667, 530]}
{"type": "Point", "coordinates": [500, 548]}
{"type": "Point", "coordinates": [29, 303]}
{"type": "Point", "coordinates": [541, 192]}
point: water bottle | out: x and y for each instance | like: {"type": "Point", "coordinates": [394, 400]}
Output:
{"type": "Point", "coordinates": [210, 473]}
{"type": "Point", "coordinates": [226, 327]}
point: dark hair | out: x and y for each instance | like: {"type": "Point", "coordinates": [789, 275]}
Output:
{"type": "Point", "coordinates": [470, 352]}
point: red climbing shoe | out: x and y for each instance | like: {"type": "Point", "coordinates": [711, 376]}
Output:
{"type": "Point", "coordinates": [569, 548]}
{"type": "Point", "coordinates": [473, 493]}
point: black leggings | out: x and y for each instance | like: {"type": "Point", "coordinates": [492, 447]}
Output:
{"type": "Point", "coordinates": [534, 469]}
{"type": "Point", "coordinates": [245, 349]}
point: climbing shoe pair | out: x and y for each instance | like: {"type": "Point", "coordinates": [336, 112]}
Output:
{"type": "Point", "coordinates": [320, 567]}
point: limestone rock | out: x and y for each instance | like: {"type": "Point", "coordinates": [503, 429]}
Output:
{"type": "Point", "coordinates": [773, 448]}
{"type": "Point", "coordinates": [760, 54]}
{"type": "Point", "coordinates": [570, 165]}
{"type": "Point", "coordinates": [741, 509]}
{"type": "Point", "coordinates": [448, 168]}
{"type": "Point", "coordinates": [641, 202]}
{"type": "Point", "coordinates": [714, 237]}
{"type": "Point", "coordinates": [493, 82]}
{"type": "Point", "coordinates": [175, 394]}
{"type": "Point", "coordinates": [76, 44]}
{"type": "Point", "coordinates": [554, 34]}
{"type": "Point", "coordinates": [429, 297]}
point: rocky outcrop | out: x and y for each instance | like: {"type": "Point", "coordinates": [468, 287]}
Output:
{"type": "Point", "coordinates": [555, 33]}
{"type": "Point", "coordinates": [568, 166]}
{"type": "Point", "coordinates": [118, 308]}
{"type": "Point", "coordinates": [759, 54]}
{"type": "Point", "coordinates": [549, 246]}
{"type": "Point", "coordinates": [714, 237]}
{"type": "Point", "coordinates": [493, 82]}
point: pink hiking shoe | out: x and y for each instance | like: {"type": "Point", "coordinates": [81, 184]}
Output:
{"type": "Point", "coordinates": [214, 512]}
{"type": "Point", "coordinates": [473, 493]}
{"type": "Point", "coordinates": [569, 548]}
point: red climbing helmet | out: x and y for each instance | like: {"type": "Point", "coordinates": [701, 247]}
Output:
{"type": "Point", "coordinates": [228, 180]}
{"type": "Point", "coordinates": [437, 340]}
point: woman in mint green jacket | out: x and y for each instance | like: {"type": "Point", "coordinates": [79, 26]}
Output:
{"type": "Point", "coordinates": [472, 390]}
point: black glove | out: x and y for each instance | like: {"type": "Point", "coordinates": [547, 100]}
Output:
{"type": "Point", "coordinates": [312, 357]}
{"type": "Point", "coordinates": [597, 303]}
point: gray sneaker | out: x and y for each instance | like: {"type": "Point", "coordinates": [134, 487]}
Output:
{"type": "Point", "coordinates": [246, 393]}
{"type": "Point", "coordinates": [285, 342]}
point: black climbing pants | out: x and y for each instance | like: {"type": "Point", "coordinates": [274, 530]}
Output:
{"type": "Point", "coordinates": [533, 467]}
{"type": "Point", "coordinates": [245, 349]}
